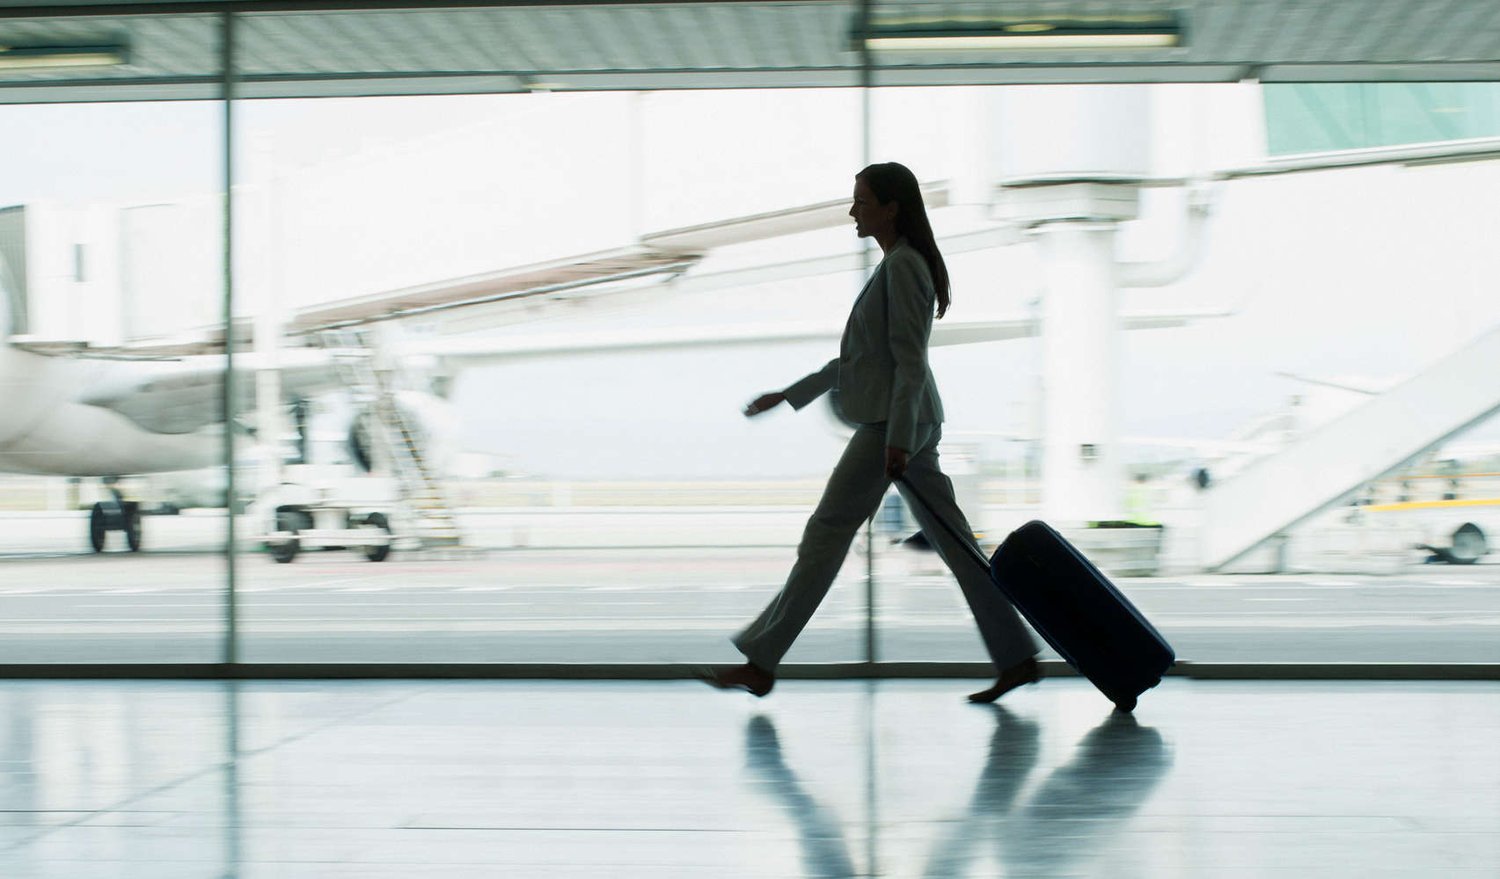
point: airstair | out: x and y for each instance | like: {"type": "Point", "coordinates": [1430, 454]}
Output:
{"type": "Point", "coordinates": [394, 438]}
{"type": "Point", "coordinates": [1330, 464]}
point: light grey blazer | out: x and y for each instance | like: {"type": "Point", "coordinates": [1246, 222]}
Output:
{"type": "Point", "coordinates": [881, 372]}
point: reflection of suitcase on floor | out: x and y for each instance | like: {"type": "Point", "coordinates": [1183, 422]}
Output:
{"type": "Point", "coordinates": [1078, 611]}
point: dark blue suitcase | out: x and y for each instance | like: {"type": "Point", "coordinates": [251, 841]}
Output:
{"type": "Point", "coordinates": [1077, 610]}
{"type": "Point", "coordinates": [1080, 613]}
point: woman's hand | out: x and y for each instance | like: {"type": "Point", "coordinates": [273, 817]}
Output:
{"type": "Point", "coordinates": [895, 462]}
{"type": "Point", "coordinates": [764, 402]}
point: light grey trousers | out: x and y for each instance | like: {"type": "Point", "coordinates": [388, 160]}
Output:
{"type": "Point", "coordinates": [854, 490]}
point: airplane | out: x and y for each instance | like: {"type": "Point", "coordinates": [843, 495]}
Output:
{"type": "Point", "coordinates": [76, 409]}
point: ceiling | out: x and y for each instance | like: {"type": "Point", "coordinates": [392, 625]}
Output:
{"type": "Point", "coordinates": [289, 49]}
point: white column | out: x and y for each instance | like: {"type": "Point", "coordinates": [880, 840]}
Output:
{"type": "Point", "coordinates": [1069, 161]}
{"type": "Point", "coordinates": [1082, 470]}
{"type": "Point", "coordinates": [261, 251]}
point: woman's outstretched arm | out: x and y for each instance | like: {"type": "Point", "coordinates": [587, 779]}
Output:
{"type": "Point", "coordinates": [813, 386]}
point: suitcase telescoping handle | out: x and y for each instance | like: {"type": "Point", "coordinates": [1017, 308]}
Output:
{"type": "Point", "coordinates": [970, 545]}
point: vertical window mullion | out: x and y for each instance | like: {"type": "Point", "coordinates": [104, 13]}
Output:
{"type": "Point", "coordinates": [866, 80]}
{"type": "Point", "coordinates": [231, 616]}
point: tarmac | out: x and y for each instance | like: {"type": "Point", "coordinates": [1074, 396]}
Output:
{"type": "Point", "coordinates": [672, 603]}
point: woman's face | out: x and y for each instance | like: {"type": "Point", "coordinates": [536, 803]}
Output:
{"type": "Point", "coordinates": [871, 218]}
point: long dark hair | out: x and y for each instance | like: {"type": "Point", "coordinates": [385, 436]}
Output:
{"type": "Point", "coordinates": [893, 181]}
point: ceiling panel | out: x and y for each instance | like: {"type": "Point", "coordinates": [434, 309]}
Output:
{"type": "Point", "coordinates": [159, 47]}
{"type": "Point", "coordinates": [663, 45]}
{"type": "Point", "coordinates": [1480, 33]}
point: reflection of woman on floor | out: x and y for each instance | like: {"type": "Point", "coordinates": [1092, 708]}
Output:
{"type": "Point", "coordinates": [1015, 746]}
{"type": "Point", "coordinates": [825, 853]}
{"type": "Point", "coordinates": [1074, 815]}
{"type": "Point", "coordinates": [884, 385]}
{"type": "Point", "coordinates": [1060, 828]}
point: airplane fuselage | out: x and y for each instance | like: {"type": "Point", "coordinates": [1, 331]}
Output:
{"type": "Point", "coordinates": [45, 429]}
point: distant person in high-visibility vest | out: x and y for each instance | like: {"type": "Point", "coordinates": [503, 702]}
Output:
{"type": "Point", "coordinates": [1138, 502]}
{"type": "Point", "coordinates": [886, 386]}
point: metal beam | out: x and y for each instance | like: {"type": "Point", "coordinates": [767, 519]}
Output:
{"type": "Point", "coordinates": [84, 8]}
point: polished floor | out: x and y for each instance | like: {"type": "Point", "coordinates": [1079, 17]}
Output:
{"type": "Point", "coordinates": [152, 780]}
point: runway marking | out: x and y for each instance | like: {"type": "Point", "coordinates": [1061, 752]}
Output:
{"type": "Point", "coordinates": [210, 605]}
{"type": "Point", "coordinates": [321, 583]}
{"type": "Point", "coordinates": [1233, 585]}
{"type": "Point", "coordinates": [1374, 582]}
{"type": "Point", "coordinates": [421, 605]}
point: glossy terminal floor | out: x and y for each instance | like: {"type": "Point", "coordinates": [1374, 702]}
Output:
{"type": "Point", "coordinates": [152, 780]}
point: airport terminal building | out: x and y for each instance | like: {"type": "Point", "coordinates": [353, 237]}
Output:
{"type": "Point", "coordinates": [376, 479]}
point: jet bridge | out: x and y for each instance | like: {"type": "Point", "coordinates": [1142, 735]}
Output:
{"type": "Point", "coordinates": [1329, 465]}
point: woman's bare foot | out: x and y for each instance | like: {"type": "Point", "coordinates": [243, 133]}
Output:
{"type": "Point", "coordinates": [752, 679]}
{"type": "Point", "coordinates": [1023, 672]}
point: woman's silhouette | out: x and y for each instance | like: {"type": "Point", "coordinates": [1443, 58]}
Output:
{"type": "Point", "coordinates": [884, 384]}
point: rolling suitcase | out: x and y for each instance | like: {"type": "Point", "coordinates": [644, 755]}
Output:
{"type": "Point", "coordinates": [1077, 610]}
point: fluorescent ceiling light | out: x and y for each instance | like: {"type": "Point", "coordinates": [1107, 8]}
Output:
{"type": "Point", "coordinates": [970, 34]}
{"type": "Point", "coordinates": [1030, 41]}
{"type": "Point", "coordinates": [48, 57]}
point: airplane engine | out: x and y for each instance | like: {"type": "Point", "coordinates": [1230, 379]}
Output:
{"type": "Point", "coordinates": [422, 422]}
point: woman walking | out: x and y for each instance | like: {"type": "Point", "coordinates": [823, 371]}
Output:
{"type": "Point", "coordinates": [885, 385]}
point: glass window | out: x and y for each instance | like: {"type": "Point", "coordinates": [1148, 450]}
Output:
{"type": "Point", "coordinates": [1288, 370]}
{"type": "Point", "coordinates": [1317, 117]}
{"type": "Point", "coordinates": [501, 296]}
{"type": "Point", "coordinates": [111, 264]}
{"type": "Point", "coordinates": [578, 432]}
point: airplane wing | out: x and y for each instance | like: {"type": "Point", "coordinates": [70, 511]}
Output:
{"type": "Point", "coordinates": [167, 350]}
{"type": "Point", "coordinates": [182, 396]}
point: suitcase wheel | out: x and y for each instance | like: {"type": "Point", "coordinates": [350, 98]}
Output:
{"type": "Point", "coordinates": [1122, 702]}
